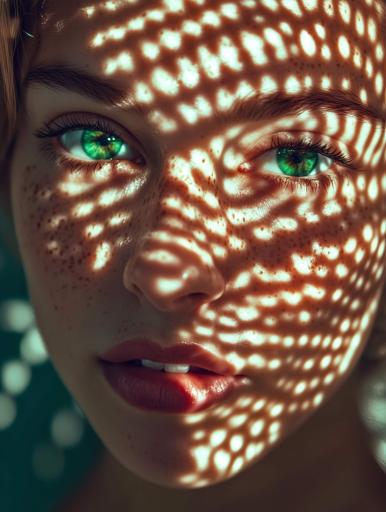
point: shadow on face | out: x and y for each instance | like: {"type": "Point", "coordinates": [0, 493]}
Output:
{"type": "Point", "coordinates": [209, 172]}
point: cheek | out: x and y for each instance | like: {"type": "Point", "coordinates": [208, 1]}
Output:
{"type": "Point", "coordinates": [309, 289]}
{"type": "Point", "coordinates": [305, 289]}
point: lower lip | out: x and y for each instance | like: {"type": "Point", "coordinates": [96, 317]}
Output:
{"type": "Point", "coordinates": [155, 390]}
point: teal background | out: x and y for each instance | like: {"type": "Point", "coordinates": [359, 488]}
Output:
{"type": "Point", "coordinates": [46, 443]}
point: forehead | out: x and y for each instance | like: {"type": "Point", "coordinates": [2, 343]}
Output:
{"type": "Point", "coordinates": [176, 25]}
{"type": "Point", "coordinates": [213, 51]}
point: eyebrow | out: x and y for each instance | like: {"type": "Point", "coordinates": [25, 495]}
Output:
{"type": "Point", "coordinates": [255, 107]}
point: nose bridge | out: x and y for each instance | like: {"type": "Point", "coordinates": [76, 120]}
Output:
{"type": "Point", "coordinates": [185, 178]}
{"type": "Point", "coordinates": [172, 268]}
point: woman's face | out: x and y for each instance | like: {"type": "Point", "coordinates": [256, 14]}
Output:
{"type": "Point", "coordinates": [239, 204]}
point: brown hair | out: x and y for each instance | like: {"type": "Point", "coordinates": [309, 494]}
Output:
{"type": "Point", "coordinates": [18, 20]}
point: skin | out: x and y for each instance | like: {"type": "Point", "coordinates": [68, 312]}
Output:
{"type": "Point", "coordinates": [284, 284]}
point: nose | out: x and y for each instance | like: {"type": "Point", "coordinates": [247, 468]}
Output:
{"type": "Point", "coordinates": [178, 281]}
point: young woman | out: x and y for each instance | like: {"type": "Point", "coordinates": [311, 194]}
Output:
{"type": "Point", "coordinates": [209, 176]}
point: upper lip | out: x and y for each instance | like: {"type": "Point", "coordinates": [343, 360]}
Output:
{"type": "Point", "coordinates": [182, 353]}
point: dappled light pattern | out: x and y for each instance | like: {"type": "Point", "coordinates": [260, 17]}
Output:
{"type": "Point", "coordinates": [280, 274]}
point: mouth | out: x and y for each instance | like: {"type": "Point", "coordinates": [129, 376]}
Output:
{"type": "Point", "coordinates": [182, 357]}
{"type": "Point", "coordinates": [137, 363]}
{"type": "Point", "coordinates": [168, 390]}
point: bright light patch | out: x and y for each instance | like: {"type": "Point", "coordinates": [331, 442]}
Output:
{"type": "Point", "coordinates": [350, 245]}
{"type": "Point", "coordinates": [136, 24]}
{"type": "Point", "coordinates": [320, 30]}
{"type": "Point", "coordinates": [165, 82]}
{"type": "Point", "coordinates": [326, 82]}
{"type": "Point", "coordinates": [373, 189]}
{"type": "Point", "coordinates": [203, 106]}
{"type": "Point", "coordinates": [191, 28]}
{"type": "Point", "coordinates": [285, 223]}
{"type": "Point", "coordinates": [292, 85]}
{"type": "Point", "coordinates": [345, 11]}
{"type": "Point", "coordinates": [229, 54]}
{"type": "Point", "coordinates": [326, 52]}
{"type": "Point", "coordinates": [119, 218]}
{"type": "Point", "coordinates": [274, 38]}
{"type": "Point", "coordinates": [230, 10]}
{"type": "Point", "coordinates": [188, 113]}
{"type": "Point", "coordinates": [344, 47]}
{"type": "Point", "coordinates": [189, 73]}
{"type": "Point", "coordinates": [307, 43]}
{"type": "Point", "coordinates": [272, 5]}
{"type": "Point", "coordinates": [363, 137]}
{"type": "Point", "coordinates": [310, 5]}
{"type": "Point", "coordinates": [268, 84]}
{"type": "Point", "coordinates": [303, 264]}
{"type": "Point", "coordinates": [357, 58]}
{"type": "Point", "coordinates": [363, 95]}
{"type": "Point", "coordinates": [82, 209]}
{"type": "Point", "coordinates": [379, 83]}
{"type": "Point", "coordinates": [142, 93]}
{"type": "Point", "coordinates": [75, 189]}
{"type": "Point", "coordinates": [341, 270]}
{"type": "Point", "coordinates": [170, 39]}
{"type": "Point", "coordinates": [372, 30]}
{"type": "Point", "coordinates": [315, 292]}
{"type": "Point", "coordinates": [224, 99]}
{"type": "Point", "coordinates": [300, 388]}
{"type": "Point", "coordinates": [379, 52]}
{"type": "Point", "coordinates": [93, 230]}
{"type": "Point", "coordinates": [174, 5]}
{"type": "Point", "coordinates": [122, 62]}
{"type": "Point", "coordinates": [103, 255]}
{"type": "Point", "coordinates": [286, 28]}
{"type": "Point", "coordinates": [328, 7]}
{"type": "Point", "coordinates": [331, 208]}
{"type": "Point", "coordinates": [359, 23]}
{"type": "Point", "coordinates": [346, 84]}
{"type": "Point", "coordinates": [210, 18]}
{"type": "Point", "coordinates": [254, 45]}
{"type": "Point", "coordinates": [150, 50]}
{"type": "Point", "coordinates": [209, 63]}
{"type": "Point", "coordinates": [293, 7]}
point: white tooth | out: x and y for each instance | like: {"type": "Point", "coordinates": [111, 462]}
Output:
{"type": "Point", "coordinates": [169, 368]}
{"type": "Point", "coordinates": [152, 364]}
{"type": "Point", "coordinates": [176, 368]}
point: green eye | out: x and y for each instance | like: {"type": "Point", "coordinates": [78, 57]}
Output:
{"type": "Point", "coordinates": [297, 162]}
{"type": "Point", "coordinates": [91, 144]}
{"type": "Point", "coordinates": [100, 145]}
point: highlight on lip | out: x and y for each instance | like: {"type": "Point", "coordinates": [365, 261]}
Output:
{"type": "Point", "coordinates": [281, 274]}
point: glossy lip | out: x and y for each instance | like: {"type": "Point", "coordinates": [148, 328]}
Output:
{"type": "Point", "coordinates": [182, 353]}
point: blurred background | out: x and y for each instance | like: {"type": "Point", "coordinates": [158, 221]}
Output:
{"type": "Point", "coordinates": [46, 444]}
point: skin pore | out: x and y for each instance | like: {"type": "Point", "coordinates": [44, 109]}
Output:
{"type": "Point", "coordinates": [193, 225]}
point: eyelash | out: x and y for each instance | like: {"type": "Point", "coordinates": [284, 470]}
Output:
{"type": "Point", "coordinates": [324, 181]}
{"type": "Point", "coordinates": [75, 122]}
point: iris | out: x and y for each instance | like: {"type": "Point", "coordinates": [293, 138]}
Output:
{"type": "Point", "coordinates": [100, 145]}
{"type": "Point", "coordinates": [294, 162]}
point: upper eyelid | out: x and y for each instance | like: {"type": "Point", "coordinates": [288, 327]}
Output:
{"type": "Point", "coordinates": [85, 121]}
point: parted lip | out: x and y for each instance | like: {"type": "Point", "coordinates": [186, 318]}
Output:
{"type": "Point", "coordinates": [182, 353]}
